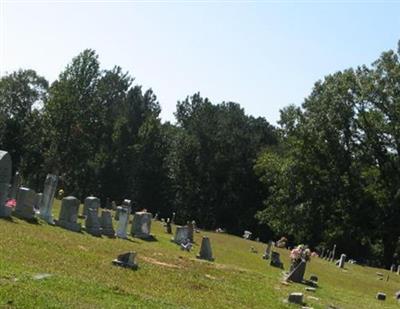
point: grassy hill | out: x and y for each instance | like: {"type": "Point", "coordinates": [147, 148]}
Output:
{"type": "Point", "coordinates": [82, 275]}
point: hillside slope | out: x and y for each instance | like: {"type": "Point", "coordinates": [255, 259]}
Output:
{"type": "Point", "coordinates": [82, 275]}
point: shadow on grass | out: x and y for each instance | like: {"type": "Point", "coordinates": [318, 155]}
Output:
{"type": "Point", "coordinates": [30, 221]}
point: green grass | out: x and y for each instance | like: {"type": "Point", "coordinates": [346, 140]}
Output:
{"type": "Point", "coordinates": [83, 277]}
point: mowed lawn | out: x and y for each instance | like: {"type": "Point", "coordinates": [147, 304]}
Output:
{"type": "Point", "coordinates": [82, 275]}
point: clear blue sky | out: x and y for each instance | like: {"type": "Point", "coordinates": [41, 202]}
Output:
{"type": "Point", "coordinates": [261, 54]}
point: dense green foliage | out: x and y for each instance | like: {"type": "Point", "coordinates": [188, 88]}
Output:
{"type": "Point", "coordinates": [335, 176]}
{"type": "Point", "coordinates": [104, 136]}
{"type": "Point", "coordinates": [329, 174]}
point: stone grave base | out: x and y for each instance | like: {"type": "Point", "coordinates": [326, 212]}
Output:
{"type": "Point", "coordinates": [108, 232]}
{"type": "Point", "coordinates": [94, 231]}
{"type": "Point", "coordinates": [75, 227]}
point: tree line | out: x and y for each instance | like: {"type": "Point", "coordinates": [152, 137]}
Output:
{"type": "Point", "coordinates": [328, 173]}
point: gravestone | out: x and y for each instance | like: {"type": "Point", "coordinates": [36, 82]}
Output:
{"type": "Point", "coordinates": [5, 176]}
{"type": "Point", "coordinates": [38, 201]}
{"type": "Point", "coordinates": [398, 270]}
{"type": "Point", "coordinates": [332, 258]}
{"type": "Point", "coordinates": [168, 227]}
{"type": "Point", "coordinates": [296, 298]}
{"type": "Point", "coordinates": [381, 296]}
{"type": "Point", "coordinates": [342, 261]}
{"type": "Point", "coordinates": [276, 260]}
{"type": "Point", "coordinates": [173, 218]}
{"type": "Point", "coordinates": [123, 218]}
{"type": "Point", "coordinates": [327, 254]}
{"type": "Point", "coordinates": [392, 268]}
{"type": "Point", "coordinates": [127, 260]}
{"type": "Point", "coordinates": [113, 205]}
{"type": "Point", "coordinates": [267, 253]}
{"type": "Point", "coordinates": [16, 183]}
{"type": "Point", "coordinates": [322, 253]}
{"type": "Point", "coordinates": [205, 250]}
{"type": "Point", "coordinates": [26, 201]}
{"type": "Point", "coordinates": [181, 234]}
{"type": "Point", "coordinates": [92, 224]}
{"type": "Point", "coordinates": [108, 204]}
{"type": "Point", "coordinates": [190, 230]}
{"type": "Point", "coordinates": [46, 205]}
{"type": "Point", "coordinates": [106, 224]}
{"type": "Point", "coordinates": [141, 225]}
{"type": "Point", "coordinates": [91, 202]}
{"type": "Point", "coordinates": [69, 214]}
{"type": "Point", "coordinates": [297, 274]}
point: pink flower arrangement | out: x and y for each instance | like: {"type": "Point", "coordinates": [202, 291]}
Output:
{"type": "Point", "coordinates": [11, 203]}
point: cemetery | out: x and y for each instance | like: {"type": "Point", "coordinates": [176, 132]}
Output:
{"type": "Point", "coordinates": [68, 258]}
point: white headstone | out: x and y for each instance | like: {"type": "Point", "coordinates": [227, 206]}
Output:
{"type": "Point", "coordinates": [46, 204]}
{"type": "Point", "coordinates": [26, 201]}
{"type": "Point", "coordinates": [342, 260]}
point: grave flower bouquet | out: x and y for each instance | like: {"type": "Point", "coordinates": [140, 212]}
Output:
{"type": "Point", "coordinates": [299, 253]}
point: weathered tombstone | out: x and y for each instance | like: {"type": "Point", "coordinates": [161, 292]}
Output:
{"type": "Point", "coordinates": [392, 268]}
{"type": "Point", "coordinates": [333, 253]}
{"type": "Point", "coordinates": [124, 212]}
{"type": "Point", "coordinates": [342, 261]}
{"type": "Point", "coordinates": [190, 230]}
{"type": "Point", "coordinates": [398, 269]}
{"type": "Point", "coordinates": [92, 224]}
{"type": "Point", "coordinates": [46, 205]}
{"type": "Point", "coordinates": [314, 278]}
{"type": "Point", "coordinates": [113, 205]}
{"type": "Point", "coordinates": [276, 260]}
{"type": "Point", "coordinates": [26, 201]}
{"type": "Point", "coordinates": [91, 202]}
{"type": "Point", "coordinates": [69, 214]}
{"type": "Point", "coordinates": [127, 260]}
{"type": "Point", "coordinates": [181, 234]}
{"type": "Point", "coordinates": [5, 176]}
{"type": "Point", "coordinates": [106, 224]}
{"type": "Point", "coordinates": [297, 274]}
{"type": "Point", "coordinates": [141, 225]}
{"type": "Point", "coordinates": [327, 254]}
{"type": "Point", "coordinates": [296, 298]}
{"type": "Point", "coordinates": [247, 235]}
{"type": "Point", "coordinates": [267, 253]}
{"type": "Point", "coordinates": [205, 250]}
{"type": "Point", "coordinates": [173, 218]}
{"type": "Point", "coordinates": [168, 227]}
{"type": "Point", "coordinates": [381, 296]}
{"type": "Point", "coordinates": [16, 183]}
{"type": "Point", "coordinates": [38, 201]}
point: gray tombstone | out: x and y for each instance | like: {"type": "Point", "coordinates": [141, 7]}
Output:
{"type": "Point", "coordinates": [342, 261]}
{"type": "Point", "coordinates": [127, 260]}
{"type": "Point", "coordinates": [205, 250]}
{"type": "Point", "coordinates": [26, 201]}
{"type": "Point", "coordinates": [322, 253]}
{"type": "Point", "coordinates": [332, 258]}
{"type": "Point", "coordinates": [326, 255]}
{"type": "Point", "coordinates": [296, 298]}
{"type": "Point", "coordinates": [267, 253]}
{"type": "Point", "coordinates": [190, 230]}
{"type": "Point", "coordinates": [92, 224]}
{"type": "Point", "coordinates": [392, 268]}
{"type": "Point", "coordinates": [69, 214]}
{"type": "Point", "coordinates": [91, 202]}
{"type": "Point", "coordinates": [16, 183]}
{"type": "Point", "coordinates": [123, 221]}
{"type": "Point", "coordinates": [5, 176]}
{"type": "Point", "coordinates": [106, 224]}
{"type": "Point", "coordinates": [398, 269]}
{"type": "Point", "coordinates": [297, 274]}
{"type": "Point", "coordinates": [181, 235]}
{"type": "Point", "coordinates": [38, 201]}
{"type": "Point", "coordinates": [141, 225]}
{"type": "Point", "coordinates": [276, 260]}
{"type": "Point", "coordinates": [168, 227]}
{"type": "Point", "coordinates": [46, 205]}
